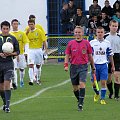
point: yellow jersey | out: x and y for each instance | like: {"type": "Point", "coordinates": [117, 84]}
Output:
{"type": "Point", "coordinates": [36, 38]}
{"type": "Point", "coordinates": [38, 26]}
{"type": "Point", "coordinates": [22, 39]}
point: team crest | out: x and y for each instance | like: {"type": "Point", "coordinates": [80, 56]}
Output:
{"type": "Point", "coordinates": [36, 34]}
{"type": "Point", "coordinates": [20, 36]}
{"type": "Point", "coordinates": [100, 48]}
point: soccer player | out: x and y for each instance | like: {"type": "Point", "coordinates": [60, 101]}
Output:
{"type": "Point", "coordinates": [114, 39]}
{"type": "Point", "coordinates": [6, 64]}
{"type": "Point", "coordinates": [38, 26]}
{"type": "Point", "coordinates": [79, 52]}
{"type": "Point", "coordinates": [20, 62]}
{"type": "Point", "coordinates": [36, 41]}
{"type": "Point", "coordinates": [101, 53]}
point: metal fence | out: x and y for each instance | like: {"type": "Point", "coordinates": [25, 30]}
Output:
{"type": "Point", "coordinates": [57, 46]}
{"type": "Point", "coordinates": [53, 14]}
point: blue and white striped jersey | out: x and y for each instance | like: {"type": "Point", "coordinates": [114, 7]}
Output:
{"type": "Point", "coordinates": [101, 51]}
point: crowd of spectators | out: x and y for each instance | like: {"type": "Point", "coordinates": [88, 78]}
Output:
{"type": "Point", "coordinates": [72, 15]}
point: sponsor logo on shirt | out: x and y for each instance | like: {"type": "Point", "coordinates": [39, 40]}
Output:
{"type": "Point", "coordinates": [100, 52]}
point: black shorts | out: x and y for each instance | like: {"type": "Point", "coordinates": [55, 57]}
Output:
{"type": "Point", "coordinates": [109, 68]}
{"type": "Point", "coordinates": [116, 58]}
{"type": "Point", "coordinates": [78, 73]}
{"type": "Point", "coordinates": [6, 71]}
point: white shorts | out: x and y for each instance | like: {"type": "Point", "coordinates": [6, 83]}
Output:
{"type": "Point", "coordinates": [22, 62]}
{"type": "Point", "coordinates": [35, 56]}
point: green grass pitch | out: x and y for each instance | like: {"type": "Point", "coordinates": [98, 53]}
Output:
{"type": "Point", "coordinates": [57, 102]}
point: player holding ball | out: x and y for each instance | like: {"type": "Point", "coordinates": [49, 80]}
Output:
{"type": "Point", "coordinates": [6, 64]}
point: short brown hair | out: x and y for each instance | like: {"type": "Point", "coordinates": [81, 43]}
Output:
{"type": "Point", "coordinates": [31, 16]}
{"type": "Point", "coordinates": [100, 27]}
{"type": "Point", "coordinates": [113, 21]}
{"type": "Point", "coordinates": [14, 20]}
{"type": "Point", "coordinates": [95, 0]}
{"type": "Point", "coordinates": [31, 21]}
{"type": "Point", "coordinates": [5, 23]}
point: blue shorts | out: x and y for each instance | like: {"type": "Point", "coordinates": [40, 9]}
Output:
{"type": "Point", "coordinates": [101, 72]}
{"type": "Point", "coordinates": [78, 73]}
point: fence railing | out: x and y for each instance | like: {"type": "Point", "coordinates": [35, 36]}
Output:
{"type": "Point", "coordinates": [57, 45]}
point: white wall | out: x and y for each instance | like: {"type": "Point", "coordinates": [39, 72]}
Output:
{"type": "Point", "coordinates": [100, 2]}
{"type": "Point", "coordinates": [21, 9]}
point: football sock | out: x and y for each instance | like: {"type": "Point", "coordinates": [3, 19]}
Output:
{"type": "Point", "coordinates": [2, 93]}
{"type": "Point", "coordinates": [40, 70]}
{"type": "Point", "coordinates": [81, 96]}
{"type": "Point", "coordinates": [116, 87]}
{"type": "Point", "coordinates": [15, 77]}
{"type": "Point", "coordinates": [76, 93]}
{"type": "Point", "coordinates": [31, 74]}
{"type": "Point", "coordinates": [103, 93]}
{"type": "Point", "coordinates": [110, 87]}
{"type": "Point", "coordinates": [22, 73]}
{"type": "Point", "coordinates": [95, 90]}
{"type": "Point", "coordinates": [7, 97]}
{"type": "Point", "coordinates": [38, 74]}
{"type": "Point", "coordinates": [35, 69]}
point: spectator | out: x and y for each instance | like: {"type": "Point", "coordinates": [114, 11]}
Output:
{"type": "Point", "coordinates": [71, 8]}
{"type": "Point", "coordinates": [104, 21]}
{"type": "Point", "coordinates": [80, 20]}
{"type": "Point", "coordinates": [116, 6]}
{"type": "Point", "coordinates": [116, 17]}
{"type": "Point", "coordinates": [94, 9]}
{"type": "Point", "coordinates": [93, 24]}
{"type": "Point", "coordinates": [64, 19]}
{"type": "Point", "coordinates": [108, 9]}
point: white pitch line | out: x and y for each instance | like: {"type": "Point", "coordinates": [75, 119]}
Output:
{"type": "Point", "coordinates": [72, 96]}
{"type": "Point", "coordinates": [39, 92]}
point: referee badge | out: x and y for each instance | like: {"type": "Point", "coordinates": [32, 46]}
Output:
{"type": "Point", "coordinates": [83, 51]}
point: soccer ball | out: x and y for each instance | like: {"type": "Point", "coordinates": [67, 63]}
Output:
{"type": "Point", "coordinates": [7, 47]}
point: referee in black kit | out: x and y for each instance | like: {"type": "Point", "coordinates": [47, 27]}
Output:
{"type": "Point", "coordinates": [6, 64]}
